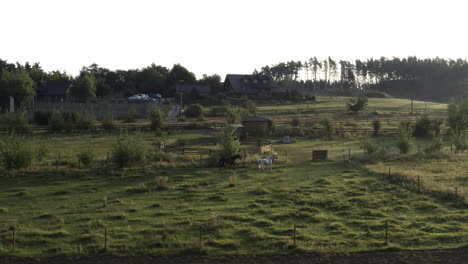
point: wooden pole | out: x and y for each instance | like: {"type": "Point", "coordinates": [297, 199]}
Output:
{"type": "Point", "coordinates": [389, 171]}
{"type": "Point", "coordinates": [105, 239]}
{"type": "Point", "coordinates": [349, 153]}
{"type": "Point", "coordinates": [419, 183]}
{"type": "Point", "coordinates": [200, 238]}
{"type": "Point", "coordinates": [13, 240]}
{"type": "Point", "coordinates": [294, 235]}
{"type": "Point", "coordinates": [386, 232]}
{"type": "Point", "coordinates": [456, 191]}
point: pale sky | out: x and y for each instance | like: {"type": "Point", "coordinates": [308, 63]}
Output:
{"type": "Point", "coordinates": [226, 36]}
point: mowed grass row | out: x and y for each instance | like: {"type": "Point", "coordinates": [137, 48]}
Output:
{"type": "Point", "coordinates": [335, 208]}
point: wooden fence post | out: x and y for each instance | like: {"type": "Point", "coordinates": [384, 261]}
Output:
{"type": "Point", "coordinates": [200, 240]}
{"type": "Point", "coordinates": [419, 183]}
{"type": "Point", "coordinates": [286, 155]}
{"type": "Point", "coordinates": [13, 240]}
{"type": "Point", "coordinates": [294, 235]}
{"type": "Point", "coordinates": [389, 171]}
{"type": "Point", "coordinates": [456, 192]}
{"type": "Point", "coordinates": [105, 239]}
{"type": "Point", "coordinates": [349, 153]}
{"type": "Point", "coordinates": [386, 232]}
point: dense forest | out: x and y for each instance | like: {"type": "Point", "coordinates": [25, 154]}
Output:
{"type": "Point", "coordinates": [434, 78]}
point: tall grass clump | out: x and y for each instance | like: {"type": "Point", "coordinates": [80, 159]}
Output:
{"type": "Point", "coordinates": [86, 155]}
{"type": "Point", "coordinates": [17, 123]}
{"type": "Point", "coordinates": [405, 140]}
{"type": "Point", "coordinates": [129, 151]}
{"type": "Point", "coordinates": [16, 152]}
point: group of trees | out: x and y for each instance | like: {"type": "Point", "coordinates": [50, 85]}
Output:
{"type": "Point", "coordinates": [19, 81]}
{"type": "Point", "coordinates": [411, 76]}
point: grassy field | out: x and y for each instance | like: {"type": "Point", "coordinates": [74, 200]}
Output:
{"type": "Point", "coordinates": [335, 205]}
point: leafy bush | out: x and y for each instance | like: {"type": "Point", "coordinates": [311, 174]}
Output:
{"type": "Point", "coordinates": [423, 125]}
{"type": "Point", "coordinates": [406, 141]}
{"type": "Point", "coordinates": [86, 155]}
{"type": "Point", "coordinates": [457, 114]}
{"type": "Point", "coordinates": [17, 123]}
{"type": "Point", "coordinates": [56, 121]}
{"type": "Point", "coordinates": [16, 152]}
{"type": "Point", "coordinates": [229, 145]}
{"type": "Point", "coordinates": [157, 120]}
{"type": "Point", "coordinates": [250, 109]}
{"type": "Point", "coordinates": [459, 140]}
{"type": "Point", "coordinates": [376, 125]}
{"type": "Point", "coordinates": [194, 110]}
{"type": "Point", "coordinates": [328, 128]}
{"type": "Point", "coordinates": [41, 118]}
{"type": "Point", "coordinates": [218, 110]}
{"type": "Point", "coordinates": [85, 120]}
{"type": "Point", "coordinates": [231, 115]}
{"type": "Point", "coordinates": [436, 145]}
{"type": "Point", "coordinates": [357, 104]}
{"type": "Point", "coordinates": [296, 120]}
{"type": "Point", "coordinates": [42, 152]}
{"type": "Point", "coordinates": [129, 151]}
{"type": "Point", "coordinates": [108, 123]}
{"type": "Point", "coordinates": [369, 145]}
{"type": "Point", "coordinates": [131, 116]}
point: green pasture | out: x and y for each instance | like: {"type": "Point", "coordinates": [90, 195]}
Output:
{"type": "Point", "coordinates": [161, 207]}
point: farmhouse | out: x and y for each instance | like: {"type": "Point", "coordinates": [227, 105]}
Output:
{"type": "Point", "coordinates": [256, 126]}
{"type": "Point", "coordinates": [202, 90]}
{"type": "Point", "coordinates": [52, 91]}
{"type": "Point", "coordinates": [252, 84]}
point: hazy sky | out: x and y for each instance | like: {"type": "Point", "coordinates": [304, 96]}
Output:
{"type": "Point", "coordinates": [225, 36]}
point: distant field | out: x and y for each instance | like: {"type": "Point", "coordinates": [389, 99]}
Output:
{"type": "Point", "coordinates": [336, 205]}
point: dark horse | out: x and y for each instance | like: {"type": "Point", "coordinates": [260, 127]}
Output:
{"type": "Point", "coordinates": [222, 162]}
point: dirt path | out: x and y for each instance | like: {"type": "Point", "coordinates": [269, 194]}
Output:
{"type": "Point", "coordinates": [452, 256]}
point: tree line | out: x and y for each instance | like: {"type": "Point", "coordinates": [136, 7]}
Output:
{"type": "Point", "coordinates": [429, 78]}
{"type": "Point", "coordinates": [19, 81]}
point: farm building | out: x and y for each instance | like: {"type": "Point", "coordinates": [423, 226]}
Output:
{"type": "Point", "coordinates": [52, 91]}
{"type": "Point", "coordinates": [202, 90]}
{"type": "Point", "coordinates": [252, 84]}
{"type": "Point", "coordinates": [256, 126]}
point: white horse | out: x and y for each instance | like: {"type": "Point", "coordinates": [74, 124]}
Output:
{"type": "Point", "coordinates": [266, 162]}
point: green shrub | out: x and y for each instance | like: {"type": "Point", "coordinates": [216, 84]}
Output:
{"type": "Point", "coordinates": [436, 145]}
{"type": "Point", "coordinates": [86, 155]}
{"type": "Point", "coordinates": [56, 121]}
{"type": "Point", "coordinates": [405, 141]}
{"type": "Point", "coordinates": [157, 120]}
{"type": "Point", "coordinates": [108, 123]}
{"type": "Point", "coordinates": [42, 152]}
{"type": "Point", "coordinates": [85, 120]}
{"type": "Point", "coordinates": [459, 140]}
{"type": "Point", "coordinates": [376, 125]}
{"type": "Point", "coordinates": [328, 128]}
{"type": "Point", "coordinates": [129, 151]}
{"type": "Point", "coordinates": [131, 116]}
{"type": "Point", "coordinates": [17, 123]}
{"type": "Point", "coordinates": [250, 109]}
{"type": "Point", "coordinates": [423, 125]}
{"type": "Point", "coordinates": [41, 118]}
{"type": "Point", "coordinates": [16, 152]}
{"type": "Point", "coordinates": [296, 120]}
{"type": "Point", "coordinates": [369, 145]}
{"type": "Point", "coordinates": [194, 111]}
{"type": "Point", "coordinates": [229, 144]}
{"type": "Point", "coordinates": [219, 110]}
{"type": "Point", "coordinates": [357, 104]}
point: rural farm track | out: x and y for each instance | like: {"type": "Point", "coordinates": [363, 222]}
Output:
{"type": "Point", "coordinates": [448, 256]}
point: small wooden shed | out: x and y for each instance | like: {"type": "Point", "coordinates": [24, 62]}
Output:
{"type": "Point", "coordinates": [256, 126]}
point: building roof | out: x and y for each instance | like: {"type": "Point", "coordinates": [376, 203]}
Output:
{"type": "Point", "coordinates": [250, 83]}
{"type": "Point", "coordinates": [187, 88]}
{"type": "Point", "coordinates": [53, 88]}
{"type": "Point", "coordinates": [256, 119]}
